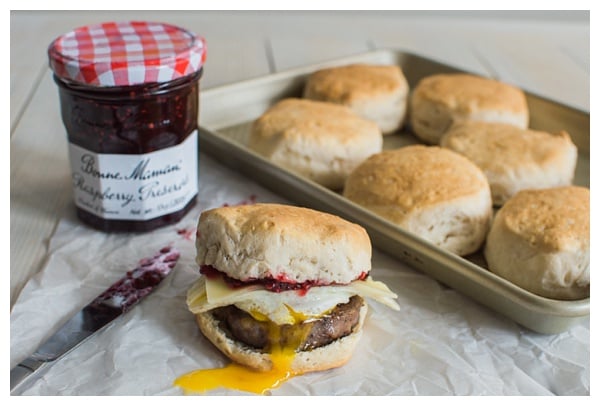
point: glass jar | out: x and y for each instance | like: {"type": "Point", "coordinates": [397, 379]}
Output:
{"type": "Point", "coordinates": [129, 102]}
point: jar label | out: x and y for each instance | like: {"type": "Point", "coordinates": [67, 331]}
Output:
{"type": "Point", "coordinates": [135, 187]}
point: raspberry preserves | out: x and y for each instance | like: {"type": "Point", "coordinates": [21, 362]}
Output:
{"type": "Point", "coordinates": [129, 101]}
{"type": "Point", "coordinates": [276, 284]}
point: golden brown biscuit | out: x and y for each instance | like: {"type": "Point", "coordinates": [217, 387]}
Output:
{"type": "Point", "coordinates": [540, 241]}
{"type": "Point", "coordinates": [439, 101]}
{"type": "Point", "coordinates": [322, 247]}
{"type": "Point", "coordinates": [321, 141]}
{"type": "Point", "coordinates": [512, 158]}
{"type": "Point", "coordinates": [432, 192]}
{"type": "Point", "coordinates": [375, 92]}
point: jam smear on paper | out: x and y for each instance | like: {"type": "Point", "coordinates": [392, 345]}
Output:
{"type": "Point", "coordinates": [187, 233]}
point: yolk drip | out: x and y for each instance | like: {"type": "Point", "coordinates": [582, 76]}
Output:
{"type": "Point", "coordinates": [239, 377]}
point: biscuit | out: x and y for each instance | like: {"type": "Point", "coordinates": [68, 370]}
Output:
{"type": "Point", "coordinates": [439, 101]}
{"type": "Point", "coordinates": [253, 242]}
{"type": "Point", "coordinates": [540, 241]}
{"type": "Point", "coordinates": [321, 141]}
{"type": "Point", "coordinates": [432, 192]}
{"type": "Point", "coordinates": [512, 158]}
{"type": "Point", "coordinates": [375, 92]}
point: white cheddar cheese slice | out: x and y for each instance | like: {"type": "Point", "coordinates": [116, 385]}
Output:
{"type": "Point", "coordinates": [286, 306]}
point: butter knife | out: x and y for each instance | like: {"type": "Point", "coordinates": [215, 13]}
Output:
{"type": "Point", "coordinates": [118, 299]}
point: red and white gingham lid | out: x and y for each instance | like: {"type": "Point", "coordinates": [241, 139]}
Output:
{"type": "Point", "coordinates": [126, 53]}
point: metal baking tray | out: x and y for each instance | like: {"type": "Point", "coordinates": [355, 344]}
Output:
{"type": "Point", "coordinates": [226, 115]}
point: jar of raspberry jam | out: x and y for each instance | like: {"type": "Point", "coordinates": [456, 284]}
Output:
{"type": "Point", "coordinates": [129, 94]}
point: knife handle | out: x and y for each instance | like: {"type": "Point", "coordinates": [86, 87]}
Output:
{"type": "Point", "coordinates": [23, 370]}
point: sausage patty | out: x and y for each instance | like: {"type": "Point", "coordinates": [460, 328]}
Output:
{"type": "Point", "coordinates": [304, 336]}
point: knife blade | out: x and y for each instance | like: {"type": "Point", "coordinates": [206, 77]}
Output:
{"type": "Point", "coordinates": [115, 301]}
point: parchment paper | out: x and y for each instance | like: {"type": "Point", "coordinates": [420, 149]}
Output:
{"type": "Point", "coordinates": [440, 343]}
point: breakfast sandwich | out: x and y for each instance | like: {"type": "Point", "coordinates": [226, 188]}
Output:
{"type": "Point", "coordinates": [283, 293]}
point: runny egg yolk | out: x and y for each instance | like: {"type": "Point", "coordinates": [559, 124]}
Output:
{"type": "Point", "coordinates": [239, 377]}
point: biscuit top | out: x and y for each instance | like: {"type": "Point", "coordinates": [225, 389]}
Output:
{"type": "Point", "coordinates": [554, 219]}
{"type": "Point", "coordinates": [346, 84]}
{"type": "Point", "coordinates": [414, 177]}
{"type": "Point", "coordinates": [495, 146]}
{"type": "Point", "coordinates": [287, 243]}
{"type": "Point", "coordinates": [300, 118]}
{"type": "Point", "coordinates": [469, 93]}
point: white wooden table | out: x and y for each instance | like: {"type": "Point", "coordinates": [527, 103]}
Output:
{"type": "Point", "coordinates": [544, 53]}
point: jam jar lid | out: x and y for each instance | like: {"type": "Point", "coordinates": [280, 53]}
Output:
{"type": "Point", "coordinates": [126, 53]}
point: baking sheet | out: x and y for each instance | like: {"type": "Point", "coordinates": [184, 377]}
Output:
{"type": "Point", "coordinates": [227, 113]}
